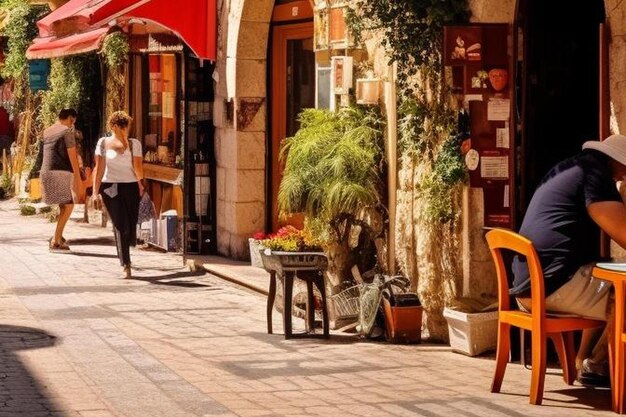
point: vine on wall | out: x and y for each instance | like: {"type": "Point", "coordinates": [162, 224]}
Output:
{"type": "Point", "coordinates": [431, 167]}
{"type": "Point", "coordinates": [115, 50]}
{"type": "Point", "coordinates": [20, 29]}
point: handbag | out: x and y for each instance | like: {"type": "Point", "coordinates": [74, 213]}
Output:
{"type": "Point", "coordinates": [147, 211]}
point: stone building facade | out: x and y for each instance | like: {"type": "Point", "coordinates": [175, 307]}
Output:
{"type": "Point", "coordinates": [241, 119]}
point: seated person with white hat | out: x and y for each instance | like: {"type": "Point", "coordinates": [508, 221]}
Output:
{"type": "Point", "coordinates": [574, 201]}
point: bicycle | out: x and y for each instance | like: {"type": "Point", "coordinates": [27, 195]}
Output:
{"type": "Point", "coordinates": [371, 296]}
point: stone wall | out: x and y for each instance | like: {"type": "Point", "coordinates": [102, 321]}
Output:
{"type": "Point", "coordinates": [240, 121]}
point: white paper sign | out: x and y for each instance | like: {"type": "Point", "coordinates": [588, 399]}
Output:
{"type": "Point", "coordinates": [502, 138]}
{"type": "Point", "coordinates": [494, 167]}
{"type": "Point", "coordinates": [498, 109]}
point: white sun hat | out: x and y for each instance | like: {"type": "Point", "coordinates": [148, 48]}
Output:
{"type": "Point", "coordinates": [614, 146]}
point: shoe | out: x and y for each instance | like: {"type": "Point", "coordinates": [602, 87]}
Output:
{"type": "Point", "coordinates": [593, 374]}
{"type": "Point", "coordinates": [127, 272]}
{"type": "Point", "coordinates": [57, 247]}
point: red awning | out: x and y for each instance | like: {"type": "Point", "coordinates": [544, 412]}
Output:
{"type": "Point", "coordinates": [194, 21]}
{"type": "Point", "coordinates": [53, 47]}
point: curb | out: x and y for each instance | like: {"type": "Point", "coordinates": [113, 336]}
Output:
{"type": "Point", "coordinates": [230, 278]}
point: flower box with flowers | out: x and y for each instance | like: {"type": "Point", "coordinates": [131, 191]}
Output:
{"type": "Point", "coordinates": [291, 249]}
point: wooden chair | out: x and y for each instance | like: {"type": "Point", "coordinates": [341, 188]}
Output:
{"type": "Point", "coordinates": [622, 390]}
{"type": "Point", "coordinates": [542, 326]}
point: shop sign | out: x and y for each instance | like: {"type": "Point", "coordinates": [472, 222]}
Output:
{"type": "Point", "coordinates": [156, 45]}
{"type": "Point", "coordinates": [38, 73]}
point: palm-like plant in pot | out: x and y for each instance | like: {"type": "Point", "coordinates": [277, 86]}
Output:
{"type": "Point", "coordinates": [333, 174]}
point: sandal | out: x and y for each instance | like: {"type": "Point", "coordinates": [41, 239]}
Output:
{"type": "Point", "coordinates": [57, 247]}
{"type": "Point", "coordinates": [127, 272]}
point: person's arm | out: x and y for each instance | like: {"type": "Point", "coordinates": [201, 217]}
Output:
{"type": "Point", "coordinates": [138, 164]}
{"type": "Point", "coordinates": [611, 217]}
{"type": "Point", "coordinates": [78, 181]}
{"type": "Point", "coordinates": [99, 168]}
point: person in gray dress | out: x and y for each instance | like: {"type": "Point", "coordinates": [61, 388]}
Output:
{"type": "Point", "coordinates": [60, 173]}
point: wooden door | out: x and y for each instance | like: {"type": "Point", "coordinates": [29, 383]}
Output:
{"type": "Point", "coordinates": [292, 89]}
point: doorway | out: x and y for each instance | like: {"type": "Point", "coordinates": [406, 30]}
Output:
{"type": "Point", "coordinates": [557, 85]}
{"type": "Point", "coordinates": [292, 86]}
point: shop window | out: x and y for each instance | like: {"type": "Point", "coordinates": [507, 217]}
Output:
{"type": "Point", "coordinates": [160, 127]}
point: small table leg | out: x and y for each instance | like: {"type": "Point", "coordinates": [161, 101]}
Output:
{"type": "Point", "coordinates": [270, 301]}
{"type": "Point", "coordinates": [310, 307]}
{"type": "Point", "coordinates": [319, 282]}
{"type": "Point", "coordinates": [287, 301]}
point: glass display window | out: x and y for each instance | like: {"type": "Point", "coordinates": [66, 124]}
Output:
{"type": "Point", "coordinates": [156, 83]}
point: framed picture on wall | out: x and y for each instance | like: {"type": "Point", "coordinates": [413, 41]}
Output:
{"type": "Point", "coordinates": [341, 74]}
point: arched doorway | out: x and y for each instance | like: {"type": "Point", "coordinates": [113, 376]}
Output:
{"type": "Point", "coordinates": [557, 85]}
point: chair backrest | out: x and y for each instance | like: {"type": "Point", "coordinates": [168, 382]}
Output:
{"type": "Point", "coordinates": [499, 239]}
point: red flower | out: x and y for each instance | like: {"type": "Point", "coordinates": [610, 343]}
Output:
{"type": "Point", "coordinates": [259, 235]}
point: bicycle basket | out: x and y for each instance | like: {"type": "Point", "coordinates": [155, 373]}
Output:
{"type": "Point", "coordinates": [346, 303]}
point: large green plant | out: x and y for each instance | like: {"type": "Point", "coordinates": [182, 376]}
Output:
{"type": "Point", "coordinates": [333, 170]}
{"type": "Point", "coordinates": [332, 163]}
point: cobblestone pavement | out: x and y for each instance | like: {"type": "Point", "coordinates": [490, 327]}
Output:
{"type": "Point", "coordinates": [78, 340]}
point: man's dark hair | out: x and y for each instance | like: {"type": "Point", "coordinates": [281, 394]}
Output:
{"type": "Point", "coordinates": [67, 113]}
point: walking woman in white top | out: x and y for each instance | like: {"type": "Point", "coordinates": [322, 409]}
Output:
{"type": "Point", "coordinates": [119, 172]}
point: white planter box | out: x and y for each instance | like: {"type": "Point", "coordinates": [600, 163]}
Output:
{"type": "Point", "coordinates": [472, 333]}
{"type": "Point", "coordinates": [255, 255]}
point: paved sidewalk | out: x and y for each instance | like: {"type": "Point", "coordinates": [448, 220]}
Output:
{"type": "Point", "coordinates": [78, 340]}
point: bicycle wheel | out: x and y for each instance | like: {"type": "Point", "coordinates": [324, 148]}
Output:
{"type": "Point", "coordinates": [370, 300]}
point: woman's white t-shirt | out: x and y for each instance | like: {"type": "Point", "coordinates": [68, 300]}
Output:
{"type": "Point", "coordinates": [119, 166]}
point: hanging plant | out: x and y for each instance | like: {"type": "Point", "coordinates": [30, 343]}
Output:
{"type": "Point", "coordinates": [115, 49]}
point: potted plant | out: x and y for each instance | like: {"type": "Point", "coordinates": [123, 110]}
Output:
{"type": "Point", "coordinates": [333, 170]}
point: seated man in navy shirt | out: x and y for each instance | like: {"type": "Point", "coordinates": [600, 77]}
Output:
{"type": "Point", "coordinates": [575, 200]}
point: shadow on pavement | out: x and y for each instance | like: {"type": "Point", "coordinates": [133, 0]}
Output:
{"type": "Point", "coordinates": [100, 240]}
{"type": "Point", "coordinates": [93, 254]}
{"type": "Point", "coordinates": [20, 392]}
{"type": "Point", "coordinates": [176, 279]}
{"type": "Point", "coordinates": [581, 398]}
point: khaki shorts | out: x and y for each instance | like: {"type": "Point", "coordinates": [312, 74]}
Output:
{"type": "Point", "coordinates": [583, 296]}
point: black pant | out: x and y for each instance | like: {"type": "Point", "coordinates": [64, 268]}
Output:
{"type": "Point", "coordinates": [123, 210]}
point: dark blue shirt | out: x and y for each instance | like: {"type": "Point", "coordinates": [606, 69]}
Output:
{"type": "Point", "coordinates": [557, 221]}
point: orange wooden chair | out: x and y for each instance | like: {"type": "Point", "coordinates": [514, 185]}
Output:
{"type": "Point", "coordinates": [622, 390]}
{"type": "Point", "coordinates": [542, 326]}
